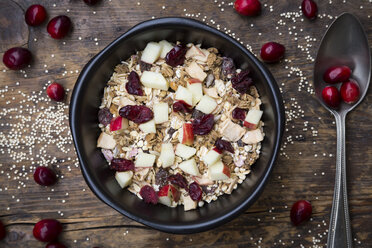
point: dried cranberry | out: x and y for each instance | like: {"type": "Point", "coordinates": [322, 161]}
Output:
{"type": "Point", "coordinates": [133, 86]}
{"type": "Point", "coordinates": [181, 106]}
{"type": "Point", "coordinates": [228, 67]}
{"type": "Point", "coordinates": [161, 177]}
{"type": "Point", "coordinates": [122, 164]}
{"type": "Point", "coordinates": [242, 81]}
{"type": "Point", "coordinates": [2, 231]}
{"type": "Point", "coordinates": [136, 113]}
{"type": "Point", "coordinates": [47, 230]}
{"type": "Point", "coordinates": [223, 145]}
{"type": "Point", "coordinates": [104, 116]}
{"type": "Point", "coordinates": [149, 195]}
{"type": "Point", "coordinates": [195, 191]}
{"type": "Point", "coordinates": [300, 212]}
{"type": "Point", "coordinates": [178, 180]}
{"type": "Point", "coordinates": [144, 66]}
{"type": "Point", "coordinates": [203, 125]}
{"type": "Point", "coordinates": [55, 245]}
{"type": "Point", "coordinates": [239, 114]}
{"type": "Point", "coordinates": [176, 56]}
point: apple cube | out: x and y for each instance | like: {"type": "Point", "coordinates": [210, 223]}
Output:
{"type": "Point", "coordinates": [165, 48]}
{"type": "Point", "coordinates": [186, 134]}
{"type": "Point", "coordinates": [197, 92]}
{"type": "Point", "coordinates": [185, 152]}
{"type": "Point", "coordinates": [145, 160]}
{"type": "Point", "coordinates": [189, 167]}
{"type": "Point", "coordinates": [253, 137]}
{"type": "Point", "coordinates": [161, 111]}
{"type": "Point", "coordinates": [219, 171]}
{"type": "Point", "coordinates": [184, 94]}
{"type": "Point", "coordinates": [106, 141]}
{"type": "Point", "coordinates": [252, 119]}
{"type": "Point", "coordinates": [148, 127]}
{"type": "Point", "coordinates": [189, 204]}
{"type": "Point", "coordinates": [211, 157]}
{"type": "Point", "coordinates": [124, 178]}
{"type": "Point", "coordinates": [154, 80]}
{"type": "Point", "coordinates": [118, 123]}
{"type": "Point", "coordinates": [203, 180]}
{"type": "Point", "coordinates": [197, 53]}
{"type": "Point", "coordinates": [151, 53]}
{"type": "Point", "coordinates": [206, 105]}
{"type": "Point", "coordinates": [195, 71]}
{"type": "Point", "coordinates": [168, 194]}
{"type": "Point", "coordinates": [167, 155]}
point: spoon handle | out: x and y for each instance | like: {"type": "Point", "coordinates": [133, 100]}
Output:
{"type": "Point", "coordinates": [339, 234]}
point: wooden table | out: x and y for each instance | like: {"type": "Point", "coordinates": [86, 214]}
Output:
{"type": "Point", "coordinates": [34, 130]}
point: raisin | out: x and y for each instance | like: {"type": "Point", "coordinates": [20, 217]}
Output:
{"type": "Point", "coordinates": [178, 180]}
{"type": "Point", "coordinates": [149, 195]}
{"type": "Point", "coordinates": [176, 56]}
{"type": "Point", "coordinates": [208, 191]}
{"type": "Point", "coordinates": [223, 145]}
{"type": "Point", "coordinates": [161, 177]}
{"type": "Point", "coordinates": [134, 86]}
{"type": "Point", "coordinates": [197, 114]}
{"type": "Point", "coordinates": [121, 164]}
{"type": "Point", "coordinates": [203, 125]}
{"type": "Point", "coordinates": [104, 116]}
{"type": "Point", "coordinates": [181, 106]}
{"type": "Point", "coordinates": [144, 66]}
{"type": "Point", "coordinates": [228, 67]}
{"type": "Point", "coordinates": [195, 191]}
{"type": "Point", "coordinates": [136, 113]}
{"type": "Point", "coordinates": [242, 81]}
{"type": "Point", "coordinates": [239, 114]}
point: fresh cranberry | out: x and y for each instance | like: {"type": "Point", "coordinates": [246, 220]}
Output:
{"type": "Point", "coordinates": [309, 9]}
{"type": "Point", "coordinates": [56, 92]}
{"type": "Point", "coordinates": [223, 145]}
{"type": "Point", "coordinates": [272, 52]}
{"type": "Point", "coordinates": [239, 114]}
{"type": "Point", "coordinates": [17, 58]}
{"type": "Point", "coordinates": [59, 27]}
{"type": "Point", "coordinates": [331, 96]}
{"type": "Point", "coordinates": [181, 106]}
{"type": "Point", "coordinates": [91, 2]}
{"type": "Point", "coordinates": [104, 116]}
{"type": "Point", "coordinates": [178, 180]}
{"type": "Point", "coordinates": [176, 56]}
{"type": "Point", "coordinates": [47, 230]}
{"type": "Point", "coordinates": [350, 92]}
{"type": "Point", "coordinates": [248, 7]}
{"type": "Point", "coordinates": [2, 231]}
{"type": "Point", "coordinates": [149, 195]}
{"type": "Point", "coordinates": [55, 245]}
{"type": "Point", "coordinates": [300, 212]}
{"type": "Point", "coordinates": [195, 191]}
{"type": "Point", "coordinates": [203, 125]}
{"type": "Point", "coordinates": [45, 176]}
{"type": "Point", "coordinates": [133, 86]}
{"type": "Point", "coordinates": [136, 113]}
{"type": "Point", "coordinates": [122, 164]}
{"type": "Point", "coordinates": [337, 74]}
{"type": "Point", "coordinates": [35, 15]}
{"type": "Point", "coordinates": [242, 81]}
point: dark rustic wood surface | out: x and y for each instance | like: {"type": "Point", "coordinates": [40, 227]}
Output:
{"type": "Point", "coordinates": [305, 169]}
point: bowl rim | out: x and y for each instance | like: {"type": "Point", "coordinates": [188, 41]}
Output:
{"type": "Point", "coordinates": [278, 113]}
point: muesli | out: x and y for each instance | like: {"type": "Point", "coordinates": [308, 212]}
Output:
{"type": "Point", "coordinates": [180, 124]}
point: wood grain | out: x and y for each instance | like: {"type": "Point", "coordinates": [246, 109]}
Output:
{"type": "Point", "coordinates": [305, 169]}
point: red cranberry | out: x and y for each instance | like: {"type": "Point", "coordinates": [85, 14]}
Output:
{"type": "Point", "coordinates": [121, 164]}
{"type": "Point", "coordinates": [300, 212]}
{"type": "Point", "coordinates": [55, 245]}
{"type": "Point", "coordinates": [45, 176]}
{"type": "Point", "coordinates": [91, 2]}
{"type": "Point", "coordinates": [133, 86]}
{"type": "Point", "coordinates": [56, 92]}
{"type": "Point", "coordinates": [136, 113]}
{"type": "Point", "coordinates": [239, 114]}
{"type": "Point", "coordinates": [331, 96]}
{"type": "Point", "coordinates": [223, 145]}
{"type": "Point", "coordinates": [309, 9]}
{"type": "Point", "coordinates": [248, 7]}
{"type": "Point", "coordinates": [242, 81]}
{"type": "Point", "coordinates": [104, 116]}
{"type": "Point", "coordinates": [59, 27]}
{"type": "Point", "coordinates": [337, 74]}
{"type": "Point", "coordinates": [176, 56]}
{"type": "Point", "coordinates": [178, 180]}
{"type": "Point", "coordinates": [272, 52]}
{"type": "Point", "coordinates": [350, 92]}
{"type": "Point", "coordinates": [195, 191]}
{"type": "Point", "coordinates": [203, 125]}
{"type": "Point", "coordinates": [181, 106]}
{"type": "Point", "coordinates": [2, 231]}
{"type": "Point", "coordinates": [35, 15]}
{"type": "Point", "coordinates": [17, 58]}
{"type": "Point", "coordinates": [149, 195]}
{"type": "Point", "coordinates": [47, 230]}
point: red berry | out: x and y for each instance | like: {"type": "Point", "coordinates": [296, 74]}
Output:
{"type": "Point", "coordinates": [2, 231]}
{"type": "Point", "coordinates": [309, 9]}
{"type": "Point", "coordinates": [181, 106]}
{"type": "Point", "coordinates": [300, 212]}
{"type": "Point", "coordinates": [59, 27]}
{"type": "Point", "coordinates": [248, 7]}
{"type": "Point", "coordinates": [149, 195]}
{"type": "Point", "coordinates": [45, 176]}
{"type": "Point", "coordinates": [47, 230]}
{"type": "Point", "coordinates": [134, 86]}
{"type": "Point", "coordinates": [272, 52]}
{"type": "Point", "coordinates": [337, 74]}
{"type": "Point", "coordinates": [122, 164]}
{"type": "Point", "coordinates": [178, 180]}
{"type": "Point", "coordinates": [242, 81]}
{"type": "Point", "coordinates": [203, 125]}
{"type": "Point", "coordinates": [91, 2]}
{"type": "Point", "coordinates": [331, 96]}
{"type": "Point", "coordinates": [176, 56]}
{"type": "Point", "coordinates": [17, 58]}
{"type": "Point", "coordinates": [223, 145]}
{"type": "Point", "coordinates": [55, 245]}
{"type": "Point", "coordinates": [35, 15]}
{"type": "Point", "coordinates": [350, 92]}
{"type": "Point", "coordinates": [239, 114]}
{"type": "Point", "coordinates": [136, 113]}
{"type": "Point", "coordinates": [195, 191]}
{"type": "Point", "coordinates": [56, 92]}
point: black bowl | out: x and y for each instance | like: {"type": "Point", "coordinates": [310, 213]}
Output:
{"type": "Point", "coordinates": [86, 98]}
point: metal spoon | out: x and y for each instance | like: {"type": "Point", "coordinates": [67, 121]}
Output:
{"type": "Point", "coordinates": [345, 43]}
